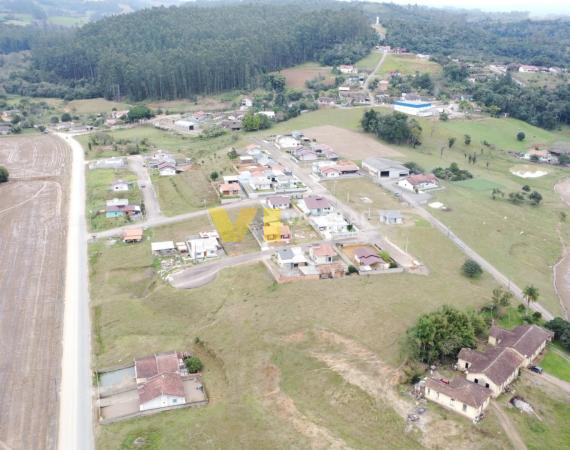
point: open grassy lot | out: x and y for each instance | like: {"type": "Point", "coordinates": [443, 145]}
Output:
{"type": "Point", "coordinates": [185, 192]}
{"type": "Point", "coordinates": [98, 184]}
{"type": "Point", "coordinates": [94, 106]}
{"type": "Point", "coordinates": [295, 77]}
{"type": "Point", "coordinates": [541, 79]}
{"type": "Point", "coordinates": [408, 65]}
{"type": "Point", "coordinates": [244, 321]}
{"type": "Point", "coordinates": [200, 104]}
{"type": "Point", "coordinates": [557, 363]}
{"type": "Point", "coordinates": [548, 430]}
{"type": "Point", "coordinates": [370, 61]}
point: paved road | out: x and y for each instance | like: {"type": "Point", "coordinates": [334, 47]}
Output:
{"type": "Point", "coordinates": [156, 222]}
{"type": "Point", "coordinates": [76, 414]}
{"type": "Point", "coordinates": [152, 206]}
{"type": "Point", "coordinates": [508, 427]}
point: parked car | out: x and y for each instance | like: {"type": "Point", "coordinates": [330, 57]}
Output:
{"type": "Point", "coordinates": [537, 369]}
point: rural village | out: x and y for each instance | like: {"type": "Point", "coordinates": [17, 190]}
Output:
{"type": "Point", "coordinates": [343, 254]}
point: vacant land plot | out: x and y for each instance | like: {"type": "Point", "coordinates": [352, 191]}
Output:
{"type": "Point", "coordinates": [136, 313]}
{"type": "Point", "coordinates": [99, 191]}
{"type": "Point", "coordinates": [408, 65]}
{"type": "Point", "coordinates": [182, 106]}
{"type": "Point", "coordinates": [350, 144]}
{"type": "Point", "coordinates": [478, 184]}
{"type": "Point", "coordinates": [33, 224]}
{"type": "Point", "coordinates": [295, 77]}
{"type": "Point", "coordinates": [185, 192]}
{"type": "Point", "coordinates": [548, 80]}
{"type": "Point", "coordinates": [95, 106]}
{"type": "Point", "coordinates": [369, 63]}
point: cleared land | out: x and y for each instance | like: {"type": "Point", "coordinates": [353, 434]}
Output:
{"type": "Point", "coordinates": [408, 65]}
{"type": "Point", "coordinates": [351, 144]}
{"type": "Point", "coordinates": [295, 77]}
{"type": "Point", "coordinates": [181, 106]}
{"type": "Point", "coordinates": [33, 222]}
{"type": "Point", "coordinates": [548, 80]}
{"type": "Point", "coordinates": [94, 106]}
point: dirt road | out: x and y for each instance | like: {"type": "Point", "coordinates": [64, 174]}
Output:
{"type": "Point", "coordinates": [562, 267]}
{"type": "Point", "coordinates": [33, 227]}
{"type": "Point", "coordinates": [508, 427]}
{"type": "Point", "coordinates": [152, 207]}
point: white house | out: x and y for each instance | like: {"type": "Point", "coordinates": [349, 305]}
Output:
{"type": "Point", "coordinates": [420, 182]}
{"type": "Point", "coordinates": [118, 202]}
{"type": "Point", "coordinates": [166, 169]}
{"type": "Point", "coordinates": [414, 107]}
{"type": "Point", "coordinates": [287, 142]}
{"type": "Point", "coordinates": [120, 186]}
{"type": "Point", "coordinates": [347, 69]}
{"type": "Point", "coordinates": [291, 258]}
{"type": "Point", "coordinates": [163, 248]}
{"type": "Point", "coordinates": [163, 390]}
{"type": "Point", "coordinates": [331, 225]}
{"type": "Point", "coordinates": [315, 205]}
{"type": "Point", "coordinates": [278, 202]}
{"type": "Point", "coordinates": [203, 248]}
{"type": "Point", "coordinates": [323, 254]}
{"type": "Point", "coordinates": [185, 125]}
{"type": "Point", "coordinates": [269, 114]}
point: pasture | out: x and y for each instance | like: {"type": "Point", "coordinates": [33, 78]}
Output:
{"type": "Point", "coordinates": [408, 65]}
{"type": "Point", "coordinates": [295, 77]}
{"type": "Point", "coordinates": [94, 106]}
{"type": "Point", "coordinates": [369, 62]}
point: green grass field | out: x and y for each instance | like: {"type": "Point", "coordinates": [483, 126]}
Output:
{"type": "Point", "coordinates": [185, 192]}
{"type": "Point", "coordinates": [548, 80]}
{"type": "Point", "coordinates": [98, 183]}
{"type": "Point", "coordinates": [557, 365]}
{"type": "Point", "coordinates": [370, 61]}
{"type": "Point", "coordinates": [478, 184]}
{"type": "Point", "coordinates": [408, 65]}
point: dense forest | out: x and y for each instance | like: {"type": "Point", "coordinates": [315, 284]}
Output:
{"type": "Point", "coordinates": [546, 108]}
{"type": "Point", "coordinates": [466, 34]}
{"type": "Point", "coordinates": [179, 52]}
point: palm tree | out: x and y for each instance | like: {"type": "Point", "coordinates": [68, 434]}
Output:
{"type": "Point", "coordinates": [530, 294]}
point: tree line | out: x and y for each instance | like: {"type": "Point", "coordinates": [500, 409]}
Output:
{"type": "Point", "coordinates": [179, 52]}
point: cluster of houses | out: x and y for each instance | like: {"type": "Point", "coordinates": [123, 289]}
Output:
{"type": "Point", "coordinates": [488, 373]}
{"type": "Point", "coordinates": [116, 118]}
{"type": "Point", "coordinates": [335, 169]}
{"type": "Point", "coordinates": [550, 155]}
{"type": "Point", "coordinates": [315, 262]}
{"type": "Point", "coordinates": [313, 152]}
{"type": "Point", "coordinates": [204, 246]}
{"type": "Point", "coordinates": [324, 218]}
{"type": "Point", "coordinates": [166, 164]}
{"type": "Point", "coordinates": [120, 207]}
{"type": "Point", "coordinates": [259, 175]}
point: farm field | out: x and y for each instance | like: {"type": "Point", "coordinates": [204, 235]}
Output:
{"type": "Point", "coordinates": [98, 192]}
{"type": "Point", "coordinates": [349, 144]}
{"type": "Point", "coordinates": [135, 313]}
{"type": "Point", "coordinates": [408, 65]}
{"type": "Point", "coordinates": [185, 192]}
{"type": "Point", "coordinates": [94, 106]}
{"type": "Point", "coordinates": [295, 77]}
{"type": "Point", "coordinates": [369, 62]}
{"type": "Point", "coordinates": [33, 229]}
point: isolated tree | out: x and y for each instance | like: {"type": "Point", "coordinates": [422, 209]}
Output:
{"type": "Point", "coordinates": [66, 117]}
{"type": "Point", "coordinates": [450, 142]}
{"type": "Point", "coordinates": [530, 294]}
{"type": "Point", "coordinates": [193, 364]}
{"type": "Point", "coordinates": [54, 119]}
{"type": "Point", "coordinates": [520, 136]}
{"type": "Point", "coordinates": [471, 269]}
{"type": "Point", "coordinates": [535, 198]}
{"type": "Point", "coordinates": [4, 175]}
{"type": "Point", "coordinates": [467, 139]}
{"type": "Point", "coordinates": [352, 269]}
{"type": "Point", "coordinates": [501, 297]}
{"type": "Point", "coordinates": [526, 188]}
{"type": "Point", "coordinates": [214, 176]}
{"type": "Point", "coordinates": [444, 117]}
{"type": "Point", "coordinates": [496, 192]}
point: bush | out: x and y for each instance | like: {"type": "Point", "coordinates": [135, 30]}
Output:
{"type": "Point", "coordinates": [352, 269]}
{"type": "Point", "coordinates": [471, 269]}
{"type": "Point", "coordinates": [193, 364]}
{"type": "Point", "coordinates": [66, 117]}
{"type": "Point", "coordinates": [520, 136]}
{"type": "Point", "coordinates": [561, 329]}
{"type": "Point", "coordinates": [521, 308]}
{"type": "Point", "coordinates": [214, 176]}
{"type": "Point", "coordinates": [4, 174]}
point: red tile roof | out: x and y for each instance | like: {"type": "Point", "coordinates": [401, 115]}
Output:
{"type": "Point", "coordinates": [525, 339]}
{"type": "Point", "coordinates": [496, 363]}
{"type": "Point", "coordinates": [153, 365]}
{"type": "Point", "coordinates": [324, 250]}
{"type": "Point", "coordinates": [163, 384]}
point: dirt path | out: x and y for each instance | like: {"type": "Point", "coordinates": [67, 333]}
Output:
{"type": "Point", "coordinates": [562, 267]}
{"type": "Point", "coordinates": [508, 427]}
{"type": "Point", "coordinates": [319, 437]}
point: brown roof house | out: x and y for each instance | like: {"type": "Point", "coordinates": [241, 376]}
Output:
{"type": "Point", "coordinates": [459, 395]}
{"type": "Point", "coordinates": [527, 340]}
{"type": "Point", "coordinates": [160, 391]}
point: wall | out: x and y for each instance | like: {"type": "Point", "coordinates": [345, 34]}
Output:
{"type": "Point", "coordinates": [457, 406]}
